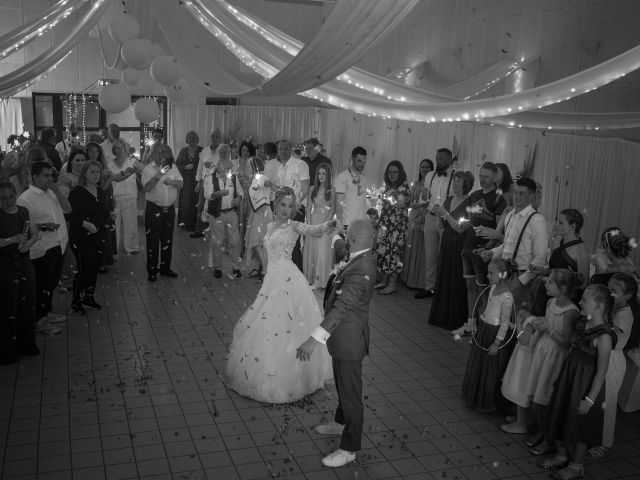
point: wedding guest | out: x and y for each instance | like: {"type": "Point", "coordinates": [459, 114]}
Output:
{"type": "Point", "coordinates": [161, 181]}
{"type": "Point", "coordinates": [47, 144]}
{"type": "Point", "coordinates": [492, 346]}
{"type": "Point", "coordinates": [613, 254]}
{"type": "Point", "coordinates": [624, 289]}
{"type": "Point", "coordinates": [320, 209]}
{"type": "Point", "coordinates": [187, 163]}
{"type": "Point", "coordinates": [294, 173]}
{"type": "Point", "coordinates": [374, 219]}
{"type": "Point", "coordinates": [68, 179]}
{"type": "Point", "coordinates": [208, 160]}
{"type": "Point", "coordinates": [413, 267]}
{"type": "Point", "coordinates": [46, 204]}
{"type": "Point", "coordinates": [224, 193]}
{"type": "Point", "coordinates": [248, 166]}
{"type": "Point", "coordinates": [89, 226]}
{"type": "Point", "coordinates": [392, 227]}
{"type": "Point", "coordinates": [576, 410]}
{"type": "Point", "coordinates": [157, 143]}
{"type": "Point", "coordinates": [271, 166]}
{"type": "Point", "coordinates": [95, 153]}
{"type": "Point", "coordinates": [351, 190]}
{"type": "Point", "coordinates": [17, 282]}
{"type": "Point", "coordinates": [313, 157]}
{"type": "Point", "coordinates": [525, 241]}
{"type": "Point", "coordinates": [485, 207]}
{"type": "Point", "coordinates": [505, 183]}
{"type": "Point", "coordinates": [259, 217]}
{"type": "Point", "coordinates": [568, 249]}
{"type": "Point", "coordinates": [447, 311]}
{"type": "Point", "coordinates": [113, 134]}
{"type": "Point", "coordinates": [439, 185]}
{"type": "Point", "coordinates": [125, 194]}
{"type": "Point", "coordinates": [554, 335]}
{"type": "Point", "coordinates": [63, 147]}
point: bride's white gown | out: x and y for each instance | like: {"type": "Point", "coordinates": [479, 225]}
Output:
{"type": "Point", "coordinates": [262, 362]}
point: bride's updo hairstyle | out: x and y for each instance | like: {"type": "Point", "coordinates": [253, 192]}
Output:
{"type": "Point", "coordinates": [281, 193]}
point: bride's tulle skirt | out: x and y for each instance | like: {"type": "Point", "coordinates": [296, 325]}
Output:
{"type": "Point", "coordinates": [262, 361]}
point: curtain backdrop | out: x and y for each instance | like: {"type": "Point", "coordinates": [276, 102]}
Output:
{"type": "Point", "coordinates": [10, 120]}
{"type": "Point", "coordinates": [598, 176]}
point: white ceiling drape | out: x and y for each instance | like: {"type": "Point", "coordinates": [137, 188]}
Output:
{"type": "Point", "coordinates": [415, 104]}
{"type": "Point", "coordinates": [349, 32]}
{"type": "Point", "coordinates": [22, 77]}
{"type": "Point", "coordinates": [24, 34]}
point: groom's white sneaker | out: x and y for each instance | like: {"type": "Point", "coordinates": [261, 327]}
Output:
{"type": "Point", "coordinates": [339, 458]}
{"type": "Point", "coordinates": [331, 428]}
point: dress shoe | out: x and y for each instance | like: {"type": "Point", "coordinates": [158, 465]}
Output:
{"type": "Point", "coordinates": [462, 331]}
{"type": "Point", "coordinates": [90, 303]}
{"type": "Point", "coordinates": [197, 235]}
{"type": "Point", "coordinates": [217, 273]}
{"type": "Point", "coordinates": [331, 428]}
{"type": "Point", "coordinates": [152, 277]}
{"type": "Point", "coordinates": [77, 307]}
{"type": "Point", "coordinates": [424, 294]}
{"type": "Point", "coordinates": [339, 458]}
{"type": "Point", "coordinates": [237, 274]}
{"type": "Point", "coordinates": [168, 273]}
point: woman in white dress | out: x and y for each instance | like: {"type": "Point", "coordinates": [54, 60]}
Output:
{"type": "Point", "coordinates": [262, 361]}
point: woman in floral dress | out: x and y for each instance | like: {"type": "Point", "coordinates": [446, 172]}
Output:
{"type": "Point", "coordinates": [392, 226]}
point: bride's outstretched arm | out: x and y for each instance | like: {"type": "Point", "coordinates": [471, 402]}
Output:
{"type": "Point", "coordinates": [317, 230]}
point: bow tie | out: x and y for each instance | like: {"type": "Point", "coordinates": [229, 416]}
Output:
{"type": "Point", "coordinates": [441, 174]}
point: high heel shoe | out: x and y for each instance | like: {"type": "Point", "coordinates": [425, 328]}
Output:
{"type": "Point", "coordinates": [534, 441]}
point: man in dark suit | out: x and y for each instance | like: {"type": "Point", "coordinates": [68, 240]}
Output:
{"type": "Point", "coordinates": [312, 157]}
{"type": "Point", "coordinates": [345, 330]}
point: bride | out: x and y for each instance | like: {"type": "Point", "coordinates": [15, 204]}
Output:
{"type": "Point", "coordinates": [262, 361]}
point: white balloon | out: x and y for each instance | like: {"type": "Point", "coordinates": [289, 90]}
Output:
{"type": "Point", "coordinates": [146, 110]}
{"type": "Point", "coordinates": [114, 98]}
{"type": "Point", "coordinates": [130, 76]}
{"type": "Point", "coordinates": [123, 27]}
{"type": "Point", "coordinates": [165, 70]}
{"type": "Point", "coordinates": [156, 51]}
{"type": "Point", "coordinates": [178, 92]}
{"type": "Point", "coordinates": [136, 52]}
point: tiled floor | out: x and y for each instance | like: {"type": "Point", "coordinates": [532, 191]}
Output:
{"type": "Point", "coordinates": [134, 391]}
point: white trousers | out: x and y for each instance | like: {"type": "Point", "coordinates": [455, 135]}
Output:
{"type": "Point", "coordinates": [226, 223]}
{"type": "Point", "coordinates": [127, 222]}
{"type": "Point", "coordinates": [432, 231]}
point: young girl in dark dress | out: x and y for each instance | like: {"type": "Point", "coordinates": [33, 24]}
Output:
{"type": "Point", "coordinates": [493, 341]}
{"type": "Point", "coordinates": [576, 413]}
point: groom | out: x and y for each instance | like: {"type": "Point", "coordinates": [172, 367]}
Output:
{"type": "Point", "coordinates": [345, 330]}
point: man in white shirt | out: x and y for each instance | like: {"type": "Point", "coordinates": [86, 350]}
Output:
{"type": "Point", "coordinates": [526, 241]}
{"type": "Point", "coordinates": [224, 193]}
{"type": "Point", "coordinates": [438, 183]}
{"type": "Point", "coordinates": [107, 145]}
{"type": "Point", "coordinates": [294, 172]}
{"type": "Point", "coordinates": [161, 181]}
{"type": "Point", "coordinates": [208, 161]}
{"type": "Point", "coordinates": [351, 190]}
{"type": "Point", "coordinates": [46, 205]}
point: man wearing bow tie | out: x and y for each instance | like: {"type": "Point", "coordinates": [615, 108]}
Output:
{"type": "Point", "coordinates": [439, 185]}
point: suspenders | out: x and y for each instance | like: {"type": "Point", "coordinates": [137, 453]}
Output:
{"type": "Point", "coordinates": [526, 223]}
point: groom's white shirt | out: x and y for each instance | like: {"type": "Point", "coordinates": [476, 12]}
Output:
{"type": "Point", "coordinates": [320, 334]}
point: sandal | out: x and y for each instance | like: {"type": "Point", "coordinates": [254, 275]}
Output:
{"type": "Point", "coordinates": [573, 470]}
{"type": "Point", "coordinates": [543, 449]}
{"type": "Point", "coordinates": [597, 453]}
{"type": "Point", "coordinates": [255, 273]}
{"type": "Point", "coordinates": [553, 463]}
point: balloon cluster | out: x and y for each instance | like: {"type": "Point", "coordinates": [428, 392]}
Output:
{"type": "Point", "coordinates": [140, 54]}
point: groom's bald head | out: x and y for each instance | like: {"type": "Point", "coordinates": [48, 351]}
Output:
{"type": "Point", "coordinates": [359, 235]}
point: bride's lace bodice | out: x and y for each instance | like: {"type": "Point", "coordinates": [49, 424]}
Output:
{"type": "Point", "coordinates": [280, 239]}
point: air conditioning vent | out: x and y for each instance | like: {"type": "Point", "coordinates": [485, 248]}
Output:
{"type": "Point", "coordinates": [221, 101]}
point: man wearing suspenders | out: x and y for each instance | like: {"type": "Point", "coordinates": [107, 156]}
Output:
{"type": "Point", "coordinates": [439, 185]}
{"type": "Point", "coordinates": [525, 241]}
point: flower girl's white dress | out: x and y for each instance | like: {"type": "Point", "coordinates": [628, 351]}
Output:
{"type": "Point", "coordinates": [262, 362]}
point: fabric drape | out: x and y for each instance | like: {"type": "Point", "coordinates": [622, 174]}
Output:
{"type": "Point", "coordinates": [17, 80]}
{"type": "Point", "coordinates": [10, 120]}
{"type": "Point", "coordinates": [350, 31]}
{"type": "Point", "coordinates": [29, 31]}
